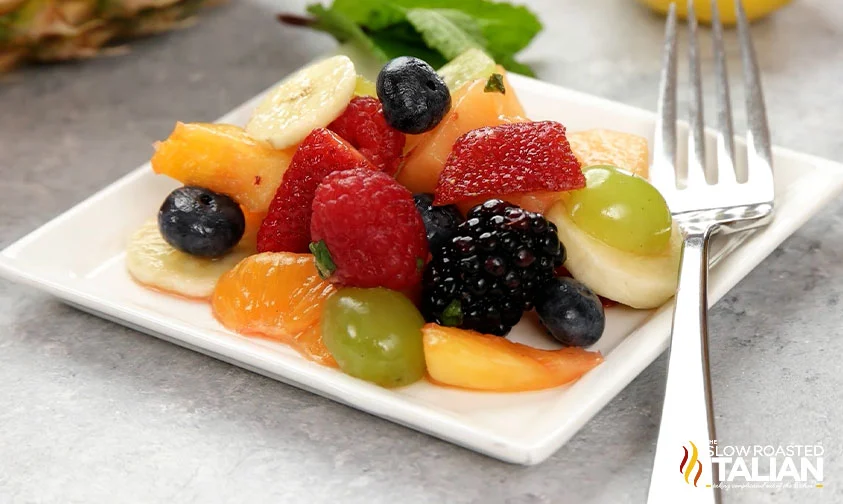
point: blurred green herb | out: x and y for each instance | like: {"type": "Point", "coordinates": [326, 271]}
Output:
{"type": "Point", "coordinates": [434, 30]}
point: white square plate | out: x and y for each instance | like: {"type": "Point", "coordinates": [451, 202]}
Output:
{"type": "Point", "coordinates": [523, 428]}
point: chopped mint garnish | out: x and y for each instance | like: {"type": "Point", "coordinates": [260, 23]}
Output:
{"type": "Point", "coordinates": [452, 315]}
{"type": "Point", "coordinates": [324, 262]}
{"type": "Point", "coordinates": [434, 30]}
{"type": "Point", "coordinates": [495, 84]}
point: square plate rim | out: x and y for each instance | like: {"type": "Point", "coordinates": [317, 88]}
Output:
{"type": "Point", "coordinates": [501, 447]}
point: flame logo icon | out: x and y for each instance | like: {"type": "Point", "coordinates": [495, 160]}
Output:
{"type": "Point", "coordinates": [687, 466]}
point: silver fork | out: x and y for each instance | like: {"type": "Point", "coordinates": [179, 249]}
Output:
{"type": "Point", "coordinates": [702, 204]}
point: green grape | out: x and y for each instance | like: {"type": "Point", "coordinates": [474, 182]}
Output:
{"type": "Point", "coordinates": [470, 65]}
{"type": "Point", "coordinates": [375, 335]}
{"type": "Point", "coordinates": [621, 210]}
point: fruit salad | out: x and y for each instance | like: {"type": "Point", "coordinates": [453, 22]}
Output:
{"type": "Point", "coordinates": [398, 230]}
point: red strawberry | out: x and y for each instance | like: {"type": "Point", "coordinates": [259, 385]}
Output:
{"type": "Point", "coordinates": [507, 159]}
{"type": "Point", "coordinates": [607, 303]}
{"type": "Point", "coordinates": [367, 232]}
{"type": "Point", "coordinates": [364, 127]}
{"type": "Point", "coordinates": [286, 227]}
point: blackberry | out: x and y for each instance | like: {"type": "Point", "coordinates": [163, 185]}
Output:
{"type": "Point", "coordinates": [490, 272]}
{"type": "Point", "coordinates": [440, 222]}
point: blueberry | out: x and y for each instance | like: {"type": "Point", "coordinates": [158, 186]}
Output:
{"type": "Point", "coordinates": [414, 96]}
{"type": "Point", "coordinates": [441, 222]}
{"type": "Point", "coordinates": [571, 312]}
{"type": "Point", "coordinates": [201, 222]}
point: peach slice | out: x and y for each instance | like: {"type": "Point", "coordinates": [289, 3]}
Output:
{"type": "Point", "coordinates": [471, 360]}
{"type": "Point", "coordinates": [537, 202]}
{"type": "Point", "coordinates": [225, 159]}
{"type": "Point", "coordinates": [608, 147]}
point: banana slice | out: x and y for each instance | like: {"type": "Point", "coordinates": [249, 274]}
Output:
{"type": "Point", "coordinates": [154, 263]}
{"type": "Point", "coordinates": [639, 281]}
{"type": "Point", "coordinates": [310, 98]}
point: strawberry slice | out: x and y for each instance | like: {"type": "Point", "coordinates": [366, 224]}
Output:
{"type": "Point", "coordinates": [286, 227]}
{"type": "Point", "coordinates": [508, 159]}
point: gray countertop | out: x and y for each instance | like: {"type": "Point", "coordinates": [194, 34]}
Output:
{"type": "Point", "coordinates": [93, 412]}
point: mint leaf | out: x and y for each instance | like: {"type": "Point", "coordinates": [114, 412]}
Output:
{"type": "Point", "coordinates": [322, 257]}
{"type": "Point", "coordinates": [343, 29]}
{"type": "Point", "coordinates": [429, 27]}
{"type": "Point", "coordinates": [452, 314]}
{"type": "Point", "coordinates": [515, 66]}
{"type": "Point", "coordinates": [448, 31]}
{"type": "Point", "coordinates": [507, 28]}
{"type": "Point", "coordinates": [373, 14]}
{"type": "Point", "coordinates": [403, 40]}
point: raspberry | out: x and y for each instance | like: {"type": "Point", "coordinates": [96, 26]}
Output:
{"type": "Point", "coordinates": [510, 158]}
{"type": "Point", "coordinates": [491, 271]}
{"type": "Point", "coordinates": [286, 227]}
{"type": "Point", "coordinates": [367, 232]}
{"type": "Point", "coordinates": [364, 127]}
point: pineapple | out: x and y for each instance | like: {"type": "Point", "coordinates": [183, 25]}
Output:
{"type": "Point", "coordinates": [58, 30]}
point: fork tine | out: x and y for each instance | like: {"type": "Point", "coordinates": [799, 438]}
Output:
{"type": "Point", "coordinates": [696, 173]}
{"type": "Point", "coordinates": [759, 151]}
{"type": "Point", "coordinates": [662, 172]}
{"type": "Point", "coordinates": [725, 131]}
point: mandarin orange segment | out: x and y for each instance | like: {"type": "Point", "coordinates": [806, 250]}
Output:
{"type": "Point", "coordinates": [310, 344]}
{"type": "Point", "coordinates": [471, 108]}
{"type": "Point", "coordinates": [475, 361]}
{"type": "Point", "coordinates": [608, 147]}
{"type": "Point", "coordinates": [224, 159]}
{"type": "Point", "coordinates": [278, 295]}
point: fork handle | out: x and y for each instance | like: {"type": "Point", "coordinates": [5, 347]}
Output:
{"type": "Point", "coordinates": [687, 414]}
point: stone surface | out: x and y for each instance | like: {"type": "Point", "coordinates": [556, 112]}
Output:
{"type": "Point", "coordinates": [93, 412]}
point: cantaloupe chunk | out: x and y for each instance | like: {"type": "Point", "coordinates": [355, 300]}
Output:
{"type": "Point", "coordinates": [471, 108]}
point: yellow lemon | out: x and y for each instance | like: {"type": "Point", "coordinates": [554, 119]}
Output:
{"type": "Point", "coordinates": [755, 9]}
